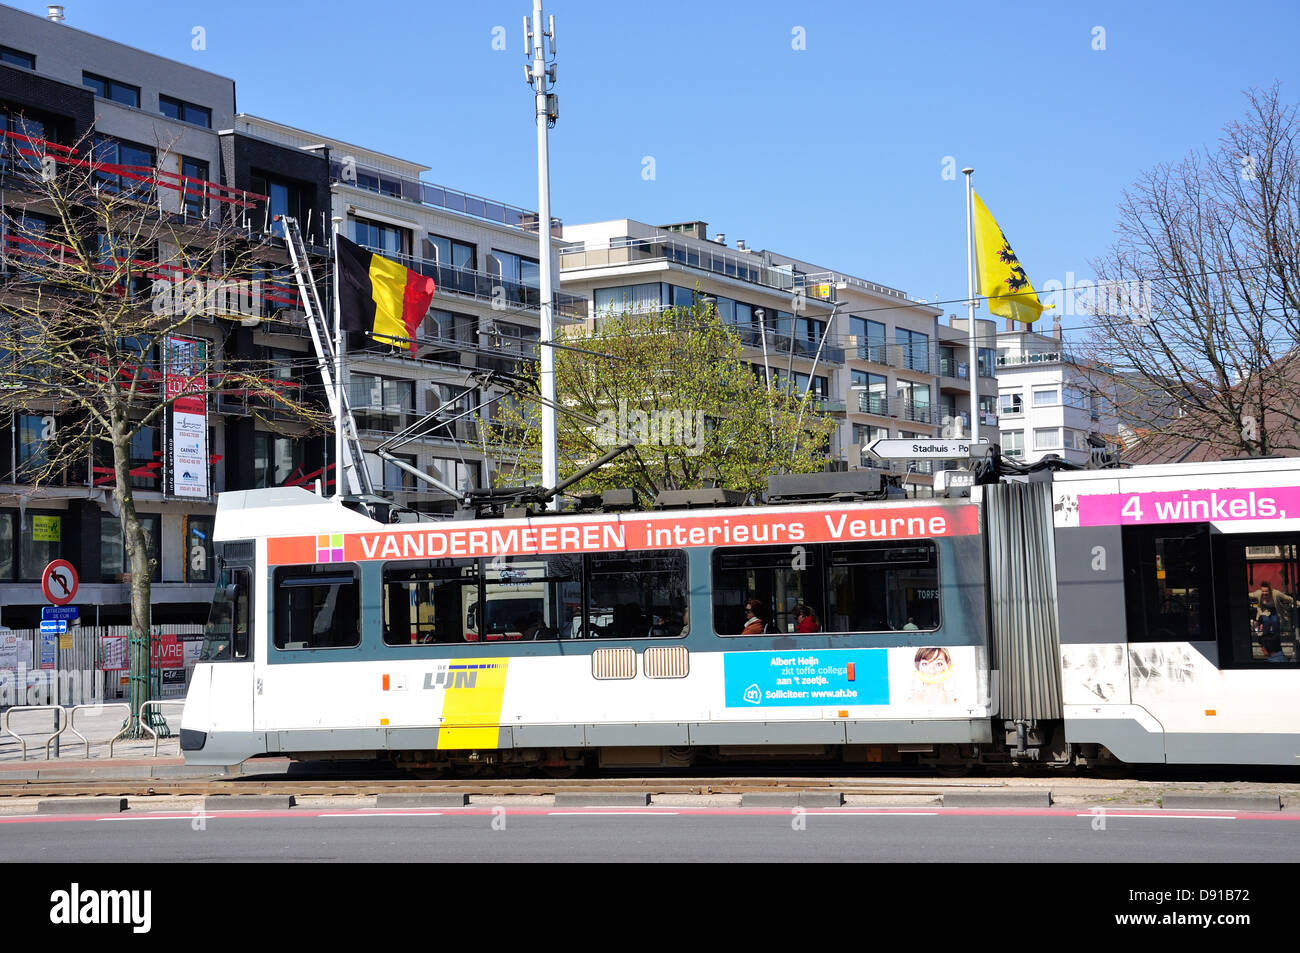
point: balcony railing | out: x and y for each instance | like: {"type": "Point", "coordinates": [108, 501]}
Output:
{"type": "Point", "coordinates": [1046, 357]}
{"type": "Point", "coordinates": [718, 261]}
{"type": "Point", "coordinates": [486, 287]}
{"type": "Point", "coordinates": [782, 345]}
{"type": "Point", "coordinates": [438, 196]}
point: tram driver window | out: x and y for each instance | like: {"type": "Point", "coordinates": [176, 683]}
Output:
{"type": "Point", "coordinates": [316, 607]}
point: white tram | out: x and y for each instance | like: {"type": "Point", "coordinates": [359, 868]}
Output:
{"type": "Point", "coordinates": [1147, 614]}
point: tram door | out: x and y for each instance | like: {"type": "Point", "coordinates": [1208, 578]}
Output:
{"type": "Point", "coordinates": [227, 645]}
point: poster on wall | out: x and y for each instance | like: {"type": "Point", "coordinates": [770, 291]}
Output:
{"type": "Point", "coordinates": [184, 367]}
{"type": "Point", "coordinates": [114, 653]}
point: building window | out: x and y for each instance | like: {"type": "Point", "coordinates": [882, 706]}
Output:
{"type": "Point", "coordinates": [916, 401]}
{"type": "Point", "coordinates": [1047, 398]}
{"type": "Point", "coordinates": [124, 167]}
{"type": "Point", "coordinates": [460, 474]}
{"type": "Point", "coordinates": [395, 478]}
{"type": "Point", "coordinates": [381, 403]}
{"type": "Point", "coordinates": [1013, 443]}
{"type": "Point", "coordinates": [35, 434]}
{"type": "Point", "coordinates": [915, 348]}
{"type": "Point", "coordinates": [448, 251]}
{"type": "Point", "coordinates": [278, 461]}
{"type": "Point", "coordinates": [194, 187]}
{"type": "Point", "coordinates": [200, 558]}
{"type": "Point", "coordinates": [8, 554]}
{"type": "Point", "coordinates": [1048, 438]}
{"type": "Point", "coordinates": [1012, 405]}
{"type": "Point", "coordinates": [185, 112]}
{"type": "Point", "coordinates": [14, 57]}
{"type": "Point", "coordinates": [113, 559]}
{"type": "Point", "coordinates": [516, 268]}
{"type": "Point", "coordinates": [628, 299]}
{"type": "Point", "coordinates": [285, 197]}
{"type": "Point", "coordinates": [42, 542]}
{"type": "Point", "coordinates": [383, 238]}
{"type": "Point", "coordinates": [112, 89]}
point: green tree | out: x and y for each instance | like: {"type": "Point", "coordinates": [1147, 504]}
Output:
{"type": "Point", "coordinates": [675, 383]}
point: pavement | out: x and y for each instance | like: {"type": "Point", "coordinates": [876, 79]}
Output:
{"type": "Point", "coordinates": [97, 724]}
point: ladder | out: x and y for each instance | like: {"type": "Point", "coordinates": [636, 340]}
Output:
{"type": "Point", "coordinates": [351, 467]}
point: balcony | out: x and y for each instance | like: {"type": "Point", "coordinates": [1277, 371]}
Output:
{"type": "Point", "coordinates": [873, 404]}
{"type": "Point", "coordinates": [485, 287]}
{"type": "Point", "coordinates": [437, 196]}
{"type": "Point", "coordinates": [900, 356]}
{"type": "Point", "coordinates": [1046, 357]}
{"type": "Point", "coordinates": [716, 260]}
{"type": "Point", "coordinates": [782, 345]}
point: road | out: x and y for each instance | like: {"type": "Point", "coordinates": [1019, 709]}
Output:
{"type": "Point", "coordinates": [657, 835]}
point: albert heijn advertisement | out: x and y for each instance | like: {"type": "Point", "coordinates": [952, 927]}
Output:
{"type": "Point", "coordinates": [184, 368]}
{"type": "Point", "coordinates": [930, 677]}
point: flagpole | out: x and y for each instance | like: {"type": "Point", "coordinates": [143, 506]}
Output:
{"type": "Point", "coordinates": [973, 371]}
{"type": "Point", "coordinates": [338, 369]}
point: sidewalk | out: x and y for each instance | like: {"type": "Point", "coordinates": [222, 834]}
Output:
{"type": "Point", "coordinates": [97, 725]}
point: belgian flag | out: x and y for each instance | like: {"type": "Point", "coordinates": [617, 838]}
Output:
{"type": "Point", "coordinates": [379, 297]}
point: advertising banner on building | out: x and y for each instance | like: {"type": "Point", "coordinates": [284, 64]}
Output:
{"type": "Point", "coordinates": [185, 363]}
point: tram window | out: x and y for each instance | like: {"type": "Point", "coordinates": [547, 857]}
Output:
{"type": "Point", "coordinates": [635, 595]}
{"type": "Point", "coordinates": [779, 577]}
{"type": "Point", "coordinates": [225, 637]}
{"type": "Point", "coordinates": [317, 607]}
{"type": "Point", "coordinates": [878, 587]}
{"type": "Point", "coordinates": [428, 601]}
{"type": "Point", "coordinates": [1166, 569]}
{"type": "Point", "coordinates": [530, 598]}
{"type": "Point", "coordinates": [1256, 583]}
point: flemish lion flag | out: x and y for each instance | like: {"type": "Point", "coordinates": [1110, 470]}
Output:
{"type": "Point", "coordinates": [379, 297]}
{"type": "Point", "coordinates": [1002, 279]}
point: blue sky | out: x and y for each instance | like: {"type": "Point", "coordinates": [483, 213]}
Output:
{"type": "Point", "coordinates": [833, 153]}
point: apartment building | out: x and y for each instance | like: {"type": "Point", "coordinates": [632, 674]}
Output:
{"type": "Point", "coordinates": [483, 256]}
{"type": "Point", "coordinates": [201, 162]}
{"type": "Point", "coordinates": [70, 94]}
{"type": "Point", "coordinates": [871, 355]}
{"type": "Point", "coordinates": [1049, 402]}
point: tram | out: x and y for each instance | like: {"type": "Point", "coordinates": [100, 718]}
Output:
{"type": "Point", "coordinates": [1073, 616]}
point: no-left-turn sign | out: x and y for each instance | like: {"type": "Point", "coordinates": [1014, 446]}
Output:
{"type": "Point", "coordinates": [59, 582]}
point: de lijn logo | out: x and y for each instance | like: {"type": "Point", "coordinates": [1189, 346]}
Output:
{"type": "Point", "coordinates": [77, 906]}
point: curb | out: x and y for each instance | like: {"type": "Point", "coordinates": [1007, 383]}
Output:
{"type": "Point", "coordinates": [792, 799]}
{"type": "Point", "coordinates": [1024, 798]}
{"type": "Point", "coordinates": [1221, 802]}
{"type": "Point", "coordinates": [415, 801]}
{"type": "Point", "coordinates": [247, 802]}
{"type": "Point", "coordinates": [80, 805]}
{"type": "Point", "coordinates": [597, 799]}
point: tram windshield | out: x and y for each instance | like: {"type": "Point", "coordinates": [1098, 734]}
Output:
{"type": "Point", "coordinates": [225, 636]}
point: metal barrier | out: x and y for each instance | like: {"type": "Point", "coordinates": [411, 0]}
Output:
{"type": "Point", "coordinates": [61, 715]}
{"type": "Point", "coordinates": [72, 721]}
{"type": "Point", "coordinates": [144, 722]}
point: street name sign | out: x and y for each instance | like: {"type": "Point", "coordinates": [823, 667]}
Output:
{"type": "Point", "coordinates": [920, 448]}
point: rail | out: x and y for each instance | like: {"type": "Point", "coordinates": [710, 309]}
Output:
{"type": "Point", "coordinates": [420, 192]}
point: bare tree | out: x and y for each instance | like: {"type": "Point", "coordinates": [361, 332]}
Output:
{"type": "Point", "coordinates": [1197, 336]}
{"type": "Point", "coordinates": [103, 275]}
